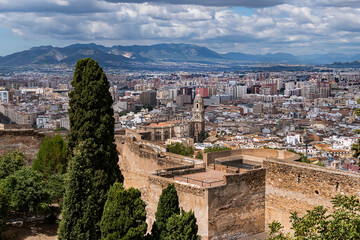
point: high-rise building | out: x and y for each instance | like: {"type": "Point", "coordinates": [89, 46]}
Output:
{"type": "Point", "coordinates": [148, 97]}
{"type": "Point", "coordinates": [241, 91]}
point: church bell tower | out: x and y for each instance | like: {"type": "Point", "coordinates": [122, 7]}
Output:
{"type": "Point", "coordinates": [198, 121]}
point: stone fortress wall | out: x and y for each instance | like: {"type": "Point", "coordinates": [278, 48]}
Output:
{"type": "Point", "coordinates": [243, 202]}
{"type": "Point", "coordinates": [233, 207]}
{"type": "Point", "coordinates": [22, 138]}
{"type": "Point", "coordinates": [239, 203]}
{"type": "Point", "coordinates": [295, 186]}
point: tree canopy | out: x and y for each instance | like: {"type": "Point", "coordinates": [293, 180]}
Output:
{"type": "Point", "coordinates": [56, 188]}
{"type": "Point", "coordinates": [124, 216]}
{"type": "Point", "coordinates": [182, 226]}
{"type": "Point", "coordinates": [179, 148]}
{"type": "Point", "coordinates": [26, 191]}
{"type": "Point", "coordinates": [343, 223]}
{"type": "Point", "coordinates": [93, 166]}
{"type": "Point", "coordinates": [11, 162]}
{"type": "Point", "coordinates": [52, 156]}
{"type": "Point", "coordinates": [167, 206]}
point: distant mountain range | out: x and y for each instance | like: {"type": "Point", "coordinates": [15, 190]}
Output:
{"type": "Point", "coordinates": [161, 56]}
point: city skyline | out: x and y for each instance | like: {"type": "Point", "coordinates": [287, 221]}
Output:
{"type": "Point", "coordinates": [255, 27]}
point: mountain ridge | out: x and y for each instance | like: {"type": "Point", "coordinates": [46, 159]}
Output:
{"type": "Point", "coordinates": [158, 55]}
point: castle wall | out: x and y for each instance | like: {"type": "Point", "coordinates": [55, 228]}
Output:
{"type": "Point", "coordinates": [238, 208]}
{"type": "Point", "coordinates": [247, 202]}
{"type": "Point", "coordinates": [27, 141]}
{"type": "Point", "coordinates": [257, 155]}
{"type": "Point", "coordinates": [191, 197]}
{"type": "Point", "coordinates": [294, 186]}
{"type": "Point", "coordinates": [137, 163]}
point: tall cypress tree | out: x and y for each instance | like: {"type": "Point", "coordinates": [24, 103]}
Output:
{"type": "Point", "coordinates": [93, 165]}
{"type": "Point", "coordinates": [167, 206]}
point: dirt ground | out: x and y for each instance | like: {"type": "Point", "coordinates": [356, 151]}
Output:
{"type": "Point", "coordinates": [32, 231]}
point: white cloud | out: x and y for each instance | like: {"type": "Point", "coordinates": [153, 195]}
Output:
{"type": "Point", "coordinates": [17, 32]}
{"type": "Point", "coordinates": [290, 27]}
{"type": "Point", "coordinates": [243, 3]}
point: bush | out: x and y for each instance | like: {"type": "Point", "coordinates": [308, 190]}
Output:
{"type": "Point", "coordinates": [199, 155]}
{"type": "Point", "coordinates": [179, 148]}
{"type": "Point", "coordinates": [343, 223]}
{"type": "Point", "coordinates": [11, 162]}
{"type": "Point", "coordinates": [26, 191]}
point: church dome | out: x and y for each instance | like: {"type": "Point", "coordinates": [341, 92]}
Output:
{"type": "Point", "coordinates": [198, 96]}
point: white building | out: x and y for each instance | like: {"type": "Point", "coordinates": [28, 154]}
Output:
{"type": "Point", "coordinates": [4, 96]}
{"type": "Point", "coordinates": [293, 139]}
{"type": "Point", "coordinates": [65, 123]}
{"type": "Point", "coordinates": [42, 120]}
{"type": "Point", "coordinates": [241, 91]}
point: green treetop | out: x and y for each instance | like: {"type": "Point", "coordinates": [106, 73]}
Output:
{"type": "Point", "coordinates": [11, 162]}
{"type": "Point", "coordinates": [167, 206]}
{"type": "Point", "coordinates": [93, 166]}
{"type": "Point", "coordinates": [52, 156]}
{"type": "Point", "coordinates": [124, 216]}
{"type": "Point", "coordinates": [343, 223]}
{"type": "Point", "coordinates": [182, 226]}
{"type": "Point", "coordinates": [179, 148]}
{"type": "Point", "coordinates": [26, 191]}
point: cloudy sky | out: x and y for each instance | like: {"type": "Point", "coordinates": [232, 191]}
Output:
{"type": "Point", "coordinates": [249, 26]}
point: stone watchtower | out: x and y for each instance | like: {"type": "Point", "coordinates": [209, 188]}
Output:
{"type": "Point", "coordinates": [197, 120]}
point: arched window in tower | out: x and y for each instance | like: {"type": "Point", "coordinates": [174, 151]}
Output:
{"type": "Point", "coordinates": [197, 105]}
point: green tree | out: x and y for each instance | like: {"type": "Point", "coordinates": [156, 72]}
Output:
{"type": "Point", "coordinates": [124, 216]}
{"type": "Point", "coordinates": [52, 156]}
{"type": "Point", "coordinates": [182, 226]}
{"type": "Point", "coordinates": [93, 167]}
{"type": "Point", "coordinates": [167, 206]}
{"type": "Point", "coordinates": [216, 149]}
{"type": "Point", "coordinates": [343, 223]}
{"type": "Point", "coordinates": [26, 191]}
{"type": "Point", "coordinates": [11, 162]}
{"type": "Point", "coordinates": [199, 155]}
{"type": "Point", "coordinates": [56, 188]}
{"type": "Point", "coordinates": [3, 211]}
{"type": "Point", "coordinates": [60, 129]}
{"type": "Point", "coordinates": [179, 148]}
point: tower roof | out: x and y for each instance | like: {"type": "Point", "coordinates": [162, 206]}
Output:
{"type": "Point", "coordinates": [198, 96]}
